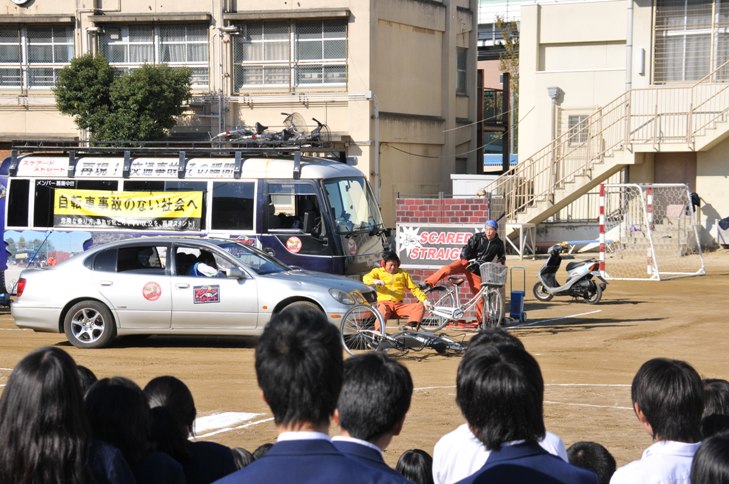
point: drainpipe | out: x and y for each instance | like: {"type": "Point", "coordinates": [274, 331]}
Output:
{"type": "Point", "coordinates": [556, 95]}
{"type": "Point", "coordinates": [629, 48]}
{"type": "Point", "coordinates": [377, 176]}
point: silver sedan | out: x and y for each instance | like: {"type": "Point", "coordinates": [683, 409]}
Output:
{"type": "Point", "coordinates": [173, 285]}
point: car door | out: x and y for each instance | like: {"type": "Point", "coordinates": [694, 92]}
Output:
{"type": "Point", "coordinates": [135, 282]}
{"type": "Point", "coordinates": [215, 302]}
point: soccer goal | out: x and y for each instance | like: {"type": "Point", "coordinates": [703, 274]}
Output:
{"type": "Point", "coordinates": [648, 232]}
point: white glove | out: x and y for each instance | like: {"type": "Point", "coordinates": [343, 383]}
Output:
{"type": "Point", "coordinates": [378, 282]}
{"type": "Point", "coordinates": [428, 305]}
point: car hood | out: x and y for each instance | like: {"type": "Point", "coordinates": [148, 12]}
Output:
{"type": "Point", "coordinates": [305, 277]}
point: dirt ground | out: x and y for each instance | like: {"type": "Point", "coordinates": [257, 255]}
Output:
{"type": "Point", "coordinates": [588, 355]}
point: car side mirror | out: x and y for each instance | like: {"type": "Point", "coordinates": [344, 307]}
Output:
{"type": "Point", "coordinates": [270, 251]}
{"type": "Point", "coordinates": [235, 273]}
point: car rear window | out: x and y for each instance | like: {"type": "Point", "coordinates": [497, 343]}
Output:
{"type": "Point", "coordinates": [105, 261]}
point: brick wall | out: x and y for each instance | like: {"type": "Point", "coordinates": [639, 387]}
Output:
{"type": "Point", "coordinates": [440, 211]}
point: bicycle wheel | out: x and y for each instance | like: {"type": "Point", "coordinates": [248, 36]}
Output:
{"type": "Point", "coordinates": [439, 296]}
{"type": "Point", "coordinates": [493, 311]}
{"type": "Point", "coordinates": [358, 329]}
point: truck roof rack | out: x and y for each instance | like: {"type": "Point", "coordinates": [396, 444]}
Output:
{"type": "Point", "coordinates": [181, 151]}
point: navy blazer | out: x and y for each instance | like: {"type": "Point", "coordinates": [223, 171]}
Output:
{"type": "Point", "coordinates": [367, 456]}
{"type": "Point", "coordinates": [307, 461]}
{"type": "Point", "coordinates": [530, 463]}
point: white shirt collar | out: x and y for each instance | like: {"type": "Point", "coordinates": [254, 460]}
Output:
{"type": "Point", "coordinates": [672, 447]}
{"type": "Point", "coordinates": [342, 438]}
{"type": "Point", "coordinates": [307, 435]}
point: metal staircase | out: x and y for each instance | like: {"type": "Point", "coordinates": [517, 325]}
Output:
{"type": "Point", "coordinates": [662, 118]}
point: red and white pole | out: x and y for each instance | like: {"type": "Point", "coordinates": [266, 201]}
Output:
{"type": "Point", "coordinates": [601, 221]}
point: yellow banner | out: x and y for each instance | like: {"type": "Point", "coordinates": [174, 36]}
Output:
{"type": "Point", "coordinates": [143, 210]}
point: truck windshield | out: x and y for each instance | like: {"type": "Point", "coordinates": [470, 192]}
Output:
{"type": "Point", "coordinates": [353, 205]}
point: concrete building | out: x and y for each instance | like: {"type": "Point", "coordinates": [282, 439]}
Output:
{"type": "Point", "coordinates": [394, 80]}
{"type": "Point", "coordinates": [638, 88]}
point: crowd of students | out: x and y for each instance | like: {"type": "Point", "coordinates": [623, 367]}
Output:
{"type": "Point", "coordinates": [59, 424]}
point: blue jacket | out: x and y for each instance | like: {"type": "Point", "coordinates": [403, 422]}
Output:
{"type": "Point", "coordinates": [368, 457]}
{"type": "Point", "coordinates": [530, 463]}
{"type": "Point", "coordinates": [308, 461]}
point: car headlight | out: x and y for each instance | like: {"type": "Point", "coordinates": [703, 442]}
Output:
{"type": "Point", "coordinates": [341, 296]}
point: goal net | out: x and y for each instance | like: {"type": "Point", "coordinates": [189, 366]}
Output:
{"type": "Point", "coordinates": [648, 232]}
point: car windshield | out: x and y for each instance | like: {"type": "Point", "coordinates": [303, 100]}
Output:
{"type": "Point", "coordinates": [353, 205]}
{"type": "Point", "coordinates": [257, 260]}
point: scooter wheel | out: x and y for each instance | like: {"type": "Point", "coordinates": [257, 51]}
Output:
{"type": "Point", "coordinates": [541, 293]}
{"type": "Point", "coordinates": [523, 317]}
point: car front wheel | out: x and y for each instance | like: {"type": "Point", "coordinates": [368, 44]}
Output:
{"type": "Point", "coordinates": [89, 324]}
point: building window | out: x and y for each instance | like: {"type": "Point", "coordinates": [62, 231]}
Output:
{"type": "Point", "coordinates": [30, 57]}
{"type": "Point", "coordinates": [291, 54]}
{"type": "Point", "coordinates": [690, 40]}
{"type": "Point", "coordinates": [129, 47]}
{"type": "Point", "coordinates": [461, 68]}
{"type": "Point", "coordinates": [578, 128]}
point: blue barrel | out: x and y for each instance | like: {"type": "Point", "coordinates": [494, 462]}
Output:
{"type": "Point", "coordinates": [516, 306]}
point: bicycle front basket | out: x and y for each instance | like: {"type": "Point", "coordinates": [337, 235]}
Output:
{"type": "Point", "coordinates": [492, 274]}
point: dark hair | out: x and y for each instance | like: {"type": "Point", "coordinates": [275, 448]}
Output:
{"type": "Point", "coordinates": [241, 457]}
{"type": "Point", "coordinates": [710, 463]}
{"type": "Point", "coordinates": [390, 255]}
{"type": "Point", "coordinates": [261, 450]}
{"type": "Point", "coordinates": [714, 424]}
{"type": "Point", "coordinates": [86, 378]}
{"type": "Point", "coordinates": [120, 416]}
{"type": "Point", "coordinates": [716, 397]}
{"type": "Point", "coordinates": [299, 366]}
{"type": "Point", "coordinates": [495, 336]}
{"type": "Point", "coordinates": [44, 433]}
{"type": "Point", "coordinates": [501, 392]}
{"type": "Point", "coordinates": [593, 456]}
{"type": "Point", "coordinates": [171, 426]}
{"type": "Point", "coordinates": [416, 465]}
{"type": "Point", "coordinates": [375, 395]}
{"type": "Point", "coordinates": [171, 392]}
{"type": "Point", "coordinates": [670, 395]}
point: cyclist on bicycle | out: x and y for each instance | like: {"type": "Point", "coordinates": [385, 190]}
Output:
{"type": "Point", "coordinates": [391, 282]}
{"type": "Point", "coordinates": [483, 247]}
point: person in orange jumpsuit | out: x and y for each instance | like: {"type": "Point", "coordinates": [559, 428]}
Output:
{"type": "Point", "coordinates": [391, 283]}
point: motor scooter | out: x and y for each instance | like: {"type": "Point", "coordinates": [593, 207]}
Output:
{"type": "Point", "coordinates": [583, 279]}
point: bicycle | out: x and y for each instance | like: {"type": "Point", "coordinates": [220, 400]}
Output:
{"type": "Point", "coordinates": [359, 332]}
{"type": "Point", "coordinates": [445, 300]}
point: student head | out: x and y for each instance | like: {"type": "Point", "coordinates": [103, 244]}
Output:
{"type": "Point", "coordinates": [668, 399]}
{"type": "Point", "coordinates": [119, 415]}
{"type": "Point", "coordinates": [716, 396]}
{"type": "Point", "coordinates": [299, 367]}
{"type": "Point", "coordinates": [593, 456]}
{"type": "Point", "coordinates": [172, 393]}
{"type": "Point", "coordinates": [375, 397]}
{"type": "Point", "coordinates": [710, 463]}
{"type": "Point", "coordinates": [242, 457]}
{"type": "Point", "coordinates": [43, 430]}
{"type": "Point", "coordinates": [500, 391]}
{"type": "Point", "coordinates": [416, 465]}
{"type": "Point", "coordinates": [261, 450]}
{"type": "Point", "coordinates": [495, 336]}
{"type": "Point", "coordinates": [715, 418]}
{"type": "Point", "coordinates": [173, 414]}
{"type": "Point", "coordinates": [391, 261]}
{"type": "Point", "coordinates": [86, 378]}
